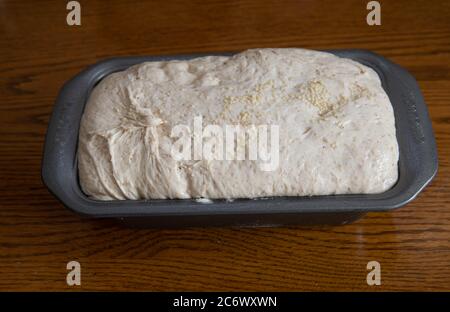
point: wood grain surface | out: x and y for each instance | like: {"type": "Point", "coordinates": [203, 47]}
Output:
{"type": "Point", "coordinates": [38, 236]}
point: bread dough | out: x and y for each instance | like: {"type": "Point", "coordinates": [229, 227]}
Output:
{"type": "Point", "coordinates": [336, 127]}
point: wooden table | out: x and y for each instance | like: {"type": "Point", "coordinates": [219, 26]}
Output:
{"type": "Point", "coordinates": [38, 236]}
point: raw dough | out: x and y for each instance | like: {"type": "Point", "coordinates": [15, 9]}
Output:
{"type": "Point", "coordinates": [336, 127]}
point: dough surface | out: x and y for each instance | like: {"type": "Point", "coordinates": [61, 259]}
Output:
{"type": "Point", "coordinates": [336, 127]}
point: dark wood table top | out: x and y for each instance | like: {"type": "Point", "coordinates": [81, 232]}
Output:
{"type": "Point", "coordinates": [38, 236]}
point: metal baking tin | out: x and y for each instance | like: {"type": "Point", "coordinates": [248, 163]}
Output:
{"type": "Point", "coordinates": [417, 164]}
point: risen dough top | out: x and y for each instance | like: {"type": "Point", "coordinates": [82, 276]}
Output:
{"type": "Point", "coordinates": [336, 127]}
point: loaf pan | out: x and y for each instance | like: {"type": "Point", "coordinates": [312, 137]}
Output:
{"type": "Point", "coordinates": [417, 164]}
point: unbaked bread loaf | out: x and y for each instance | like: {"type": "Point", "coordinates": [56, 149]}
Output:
{"type": "Point", "coordinates": [335, 124]}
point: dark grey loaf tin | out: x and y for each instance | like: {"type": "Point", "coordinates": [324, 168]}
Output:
{"type": "Point", "coordinates": [417, 165]}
